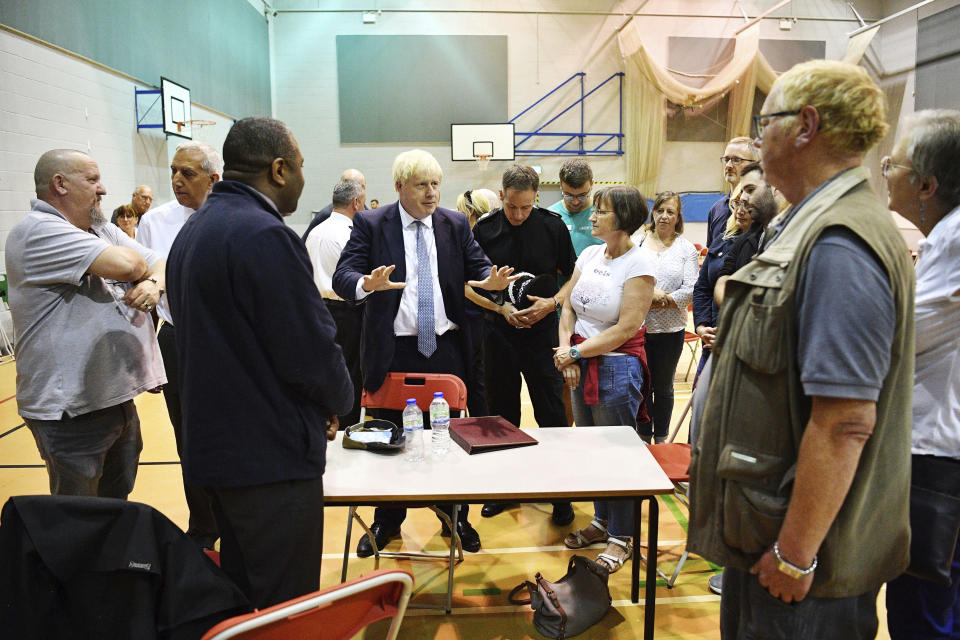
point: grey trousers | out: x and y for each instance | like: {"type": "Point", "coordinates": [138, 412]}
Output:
{"type": "Point", "coordinates": [94, 454]}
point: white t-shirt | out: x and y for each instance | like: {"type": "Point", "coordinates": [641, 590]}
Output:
{"type": "Point", "coordinates": [599, 291]}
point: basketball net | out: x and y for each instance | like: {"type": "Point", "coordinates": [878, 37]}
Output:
{"type": "Point", "coordinates": [483, 161]}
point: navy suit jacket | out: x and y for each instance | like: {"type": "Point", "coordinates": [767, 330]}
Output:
{"type": "Point", "coordinates": [377, 240]}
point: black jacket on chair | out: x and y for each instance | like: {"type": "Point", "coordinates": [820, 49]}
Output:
{"type": "Point", "coordinates": [79, 567]}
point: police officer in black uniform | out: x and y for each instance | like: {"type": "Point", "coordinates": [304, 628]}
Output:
{"type": "Point", "coordinates": [520, 339]}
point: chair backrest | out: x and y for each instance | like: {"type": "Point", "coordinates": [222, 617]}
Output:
{"type": "Point", "coordinates": [337, 613]}
{"type": "Point", "coordinates": [397, 387]}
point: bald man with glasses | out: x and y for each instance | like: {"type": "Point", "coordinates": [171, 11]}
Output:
{"type": "Point", "coordinates": [738, 154]}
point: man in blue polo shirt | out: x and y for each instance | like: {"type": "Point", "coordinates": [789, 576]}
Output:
{"type": "Point", "coordinates": [576, 206]}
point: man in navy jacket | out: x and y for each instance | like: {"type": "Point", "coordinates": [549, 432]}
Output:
{"type": "Point", "coordinates": [414, 316]}
{"type": "Point", "coordinates": [261, 378]}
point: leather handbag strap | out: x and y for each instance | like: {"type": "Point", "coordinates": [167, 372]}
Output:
{"type": "Point", "coordinates": [547, 589]}
{"type": "Point", "coordinates": [515, 599]}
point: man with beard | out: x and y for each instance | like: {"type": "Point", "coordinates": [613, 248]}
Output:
{"type": "Point", "coordinates": [762, 203]}
{"type": "Point", "coordinates": [81, 292]}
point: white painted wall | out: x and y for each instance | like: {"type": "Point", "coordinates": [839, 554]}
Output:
{"type": "Point", "coordinates": [549, 40]}
{"type": "Point", "coordinates": [49, 100]}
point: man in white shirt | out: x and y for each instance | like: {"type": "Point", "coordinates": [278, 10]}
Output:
{"type": "Point", "coordinates": [324, 245]}
{"type": "Point", "coordinates": [195, 168]}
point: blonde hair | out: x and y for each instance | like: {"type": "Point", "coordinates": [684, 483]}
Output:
{"type": "Point", "coordinates": [732, 229]}
{"type": "Point", "coordinates": [415, 162]}
{"type": "Point", "coordinates": [852, 108]}
{"type": "Point", "coordinates": [476, 203]}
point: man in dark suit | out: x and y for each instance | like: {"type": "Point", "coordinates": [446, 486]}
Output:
{"type": "Point", "coordinates": [261, 378]}
{"type": "Point", "coordinates": [323, 214]}
{"type": "Point", "coordinates": [412, 323]}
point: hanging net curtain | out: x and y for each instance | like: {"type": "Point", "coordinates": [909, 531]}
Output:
{"type": "Point", "coordinates": [648, 85]}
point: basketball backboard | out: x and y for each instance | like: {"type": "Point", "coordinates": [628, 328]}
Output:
{"type": "Point", "coordinates": [494, 141]}
{"type": "Point", "coordinates": [176, 108]}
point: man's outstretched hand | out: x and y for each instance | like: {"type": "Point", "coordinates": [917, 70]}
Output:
{"type": "Point", "coordinates": [497, 280]}
{"type": "Point", "coordinates": [379, 280]}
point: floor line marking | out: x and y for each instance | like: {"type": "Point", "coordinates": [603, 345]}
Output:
{"type": "Point", "coordinates": [621, 604]}
{"type": "Point", "coordinates": [6, 433]}
{"type": "Point", "coordinates": [496, 552]}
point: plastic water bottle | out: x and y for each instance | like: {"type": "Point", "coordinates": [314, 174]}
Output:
{"type": "Point", "coordinates": [413, 432]}
{"type": "Point", "coordinates": [440, 424]}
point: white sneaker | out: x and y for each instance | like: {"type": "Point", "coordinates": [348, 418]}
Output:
{"type": "Point", "coordinates": [716, 583]}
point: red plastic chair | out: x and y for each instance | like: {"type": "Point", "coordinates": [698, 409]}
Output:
{"type": "Point", "coordinates": [397, 387]}
{"type": "Point", "coordinates": [674, 459]}
{"type": "Point", "coordinates": [393, 394]}
{"type": "Point", "coordinates": [337, 613]}
{"type": "Point", "coordinates": [692, 341]}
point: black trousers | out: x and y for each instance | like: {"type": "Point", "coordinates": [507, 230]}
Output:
{"type": "Point", "coordinates": [349, 319]}
{"type": "Point", "coordinates": [407, 359]}
{"type": "Point", "coordinates": [663, 354]}
{"type": "Point", "coordinates": [510, 353]}
{"type": "Point", "coordinates": [202, 524]}
{"type": "Point", "coordinates": [271, 538]}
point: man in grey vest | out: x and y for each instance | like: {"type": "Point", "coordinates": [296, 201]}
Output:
{"type": "Point", "coordinates": [802, 465]}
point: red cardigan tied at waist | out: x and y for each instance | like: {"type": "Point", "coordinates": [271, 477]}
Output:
{"type": "Point", "coordinates": [632, 347]}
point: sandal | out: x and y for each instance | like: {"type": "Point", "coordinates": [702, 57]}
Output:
{"type": "Point", "coordinates": [583, 538]}
{"type": "Point", "coordinates": [616, 554]}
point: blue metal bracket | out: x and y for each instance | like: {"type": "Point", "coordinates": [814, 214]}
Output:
{"type": "Point", "coordinates": [582, 147]}
{"type": "Point", "coordinates": [136, 106]}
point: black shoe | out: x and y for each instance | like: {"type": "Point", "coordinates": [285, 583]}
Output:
{"type": "Point", "coordinates": [562, 514]}
{"type": "Point", "coordinates": [469, 538]}
{"type": "Point", "coordinates": [493, 508]}
{"type": "Point", "coordinates": [382, 536]}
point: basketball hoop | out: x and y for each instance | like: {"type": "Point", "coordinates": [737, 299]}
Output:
{"type": "Point", "coordinates": [194, 123]}
{"type": "Point", "coordinates": [483, 160]}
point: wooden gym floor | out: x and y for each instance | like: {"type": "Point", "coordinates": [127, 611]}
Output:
{"type": "Point", "coordinates": [516, 544]}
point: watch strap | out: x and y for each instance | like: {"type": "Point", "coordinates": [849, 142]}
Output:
{"type": "Point", "coordinates": [790, 569]}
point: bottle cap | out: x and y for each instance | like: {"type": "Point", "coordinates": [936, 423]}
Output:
{"type": "Point", "coordinates": [438, 394]}
{"type": "Point", "coordinates": [410, 401]}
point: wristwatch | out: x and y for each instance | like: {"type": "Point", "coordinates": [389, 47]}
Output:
{"type": "Point", "coordinates": [791, 570]}
{"type": "Point", "coordinates": [574, 353]}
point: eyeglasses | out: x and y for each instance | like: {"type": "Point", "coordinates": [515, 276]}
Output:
{"type": "Point", "coordinates": [761, 120]}
{"type": "Point", "coordinates": [576, 196]}
{"type": "Point", "coordinates": [734, 160]}
{"type": "Point", "coordinates": [887, 163]}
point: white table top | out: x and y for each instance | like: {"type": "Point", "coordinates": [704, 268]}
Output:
{"type": "Point", "coordinates": [584, 462]}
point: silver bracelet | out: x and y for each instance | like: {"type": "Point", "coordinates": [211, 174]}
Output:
{"type": "Point", "coordinates": [790, 569]}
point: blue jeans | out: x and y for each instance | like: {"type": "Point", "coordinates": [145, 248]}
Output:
{"type": "Point", "coordinates": [620, 381]}
{"type": "Point", "coordinates": [94, 454]}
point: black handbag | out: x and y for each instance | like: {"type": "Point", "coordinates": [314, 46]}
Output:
{"type": "Point", "coordinates": [572, 604]}
{"type": "Point", "coordinates": [934, 524]}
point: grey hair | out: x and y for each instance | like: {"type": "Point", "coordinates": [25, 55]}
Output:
{"type": "Point", "coordinates": [212, 161]}
{"type": "Point", "coordinates": [933, 148]}
{"type": "Point", "coordinates": [345, 192]}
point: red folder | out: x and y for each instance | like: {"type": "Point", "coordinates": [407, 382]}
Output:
{"type": "Point", "coordinates": [487, 433]}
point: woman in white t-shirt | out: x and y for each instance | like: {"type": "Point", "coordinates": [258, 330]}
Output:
{"type": "Point", "coordinates": [677, 266]}
{"type": "Point", "coordinates": [601, 352]}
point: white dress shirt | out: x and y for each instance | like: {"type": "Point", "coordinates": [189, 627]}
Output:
{"type": "Point", "coordinates": [405, 324]}
{"type": "Point", "coordinates": [936, 389]}
{"type": "Point", "coordinates": [324, 244]}
{"type": "Point", "coordinates": [157, 231]}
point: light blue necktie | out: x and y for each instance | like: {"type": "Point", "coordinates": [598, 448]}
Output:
{"type": "Point", "coordinates": [426, 331]}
